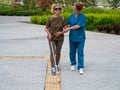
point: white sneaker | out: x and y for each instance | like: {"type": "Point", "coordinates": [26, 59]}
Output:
{"type": "Point", "coordinates": [73, 67]}
{"type": "Point", "coordinates": [81, 71]}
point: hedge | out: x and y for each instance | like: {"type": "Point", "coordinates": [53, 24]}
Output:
{"type": "Point", "coordinates": [101, 19]}
{"type": "Point", "coordinates": [39, 19]}
{"type": "Point", "coordinates": [20, 13]}
{"type": "Point", "coordinates": [23, 12]}
{"type": "Point", "coordinates": [10, 12]}
{"type": "Point", "coordinates": [109, 28]}
{"type": "Point", "coordinates": [100, 11]}
{"type": "Point", "coordinates": [93, 20]}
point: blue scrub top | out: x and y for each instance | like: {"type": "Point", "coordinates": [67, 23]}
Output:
{"type": "Point", "coordinates": [78, 34]}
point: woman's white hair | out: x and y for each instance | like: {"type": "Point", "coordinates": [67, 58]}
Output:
{"type": "Point", "coordinates": [53, 7]}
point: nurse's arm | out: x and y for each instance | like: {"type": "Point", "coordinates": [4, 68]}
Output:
{"type": "Point", "coordinates": [73, 28]}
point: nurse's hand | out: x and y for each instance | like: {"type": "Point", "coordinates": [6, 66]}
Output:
{"type": "Point", "coordinates": [67, 29]}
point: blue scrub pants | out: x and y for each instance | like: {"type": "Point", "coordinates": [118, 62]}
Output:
{"type": "Point", "coordinates": [77, 47]}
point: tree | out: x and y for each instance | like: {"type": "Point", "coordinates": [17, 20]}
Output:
{"type": "Point", "coordinates": [44, 4]}
{"type": "Point", "coordinates": [15, 4]}
{"type": "Point", "coordinates": [29, 4]}
{"type": "Point", "coordinates": [89, 3]}
{"type": "Point", "coordinates": [114, 4]}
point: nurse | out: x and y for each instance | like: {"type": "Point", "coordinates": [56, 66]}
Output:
{"type": "Point", "coordinates": [77, 22]}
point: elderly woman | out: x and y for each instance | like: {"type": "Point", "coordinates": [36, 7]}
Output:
{"type": "Point", "coordinates": [55, 34]}
{"type": "Point", "coordinates": [77, 22]}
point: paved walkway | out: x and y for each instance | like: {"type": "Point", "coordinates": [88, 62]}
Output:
{"type": "Point", "coordinates": [102, 59]}
{"type": "Point", "coordinates": [102, 63]}
{"type": "Point", "coordinates": [22, 74]}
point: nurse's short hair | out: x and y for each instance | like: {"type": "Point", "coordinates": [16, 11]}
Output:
{"type": "Point", "coordinates": [53, 7]}
{"type": "Point", "coordinates": [79, 6]}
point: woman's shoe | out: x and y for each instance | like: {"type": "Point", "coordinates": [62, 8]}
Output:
{"type": "Point", "coordinates": [53, 71]}
{"type": "Point", "coordinates": [81, 71]}
{"type": "Point", "coordinates": [73, 67]}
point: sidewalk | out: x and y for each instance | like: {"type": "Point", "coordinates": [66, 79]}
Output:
{"type": "Point", "coordinates": [102, 59]}
{"type": "Point", "coordinates": [22, 74]}
{"type": "Point", "coordinates": [102, 65]}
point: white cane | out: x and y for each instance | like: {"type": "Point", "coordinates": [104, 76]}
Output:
{"type": "Point", "coordinates": [54, 58]}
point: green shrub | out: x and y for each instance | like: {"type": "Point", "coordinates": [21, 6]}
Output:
{"type": "Point", "coordinates": [70, 10]}
{"type": "Point", "coordinates": [109, 28]}
{"type": "Point", "coordinates": [47, 12]}
{"type": "Point", "coordinates": [92, 19]}
{"type": "Point", "coordinates": [5, 10]}
{"type": "Point", "coordinates": [21, 13]}
{"type": "Point", "coordinates": [34, 19]}
{"type": "Point", "coordinates": [95, 17]}
{"type": "Point", "coordinates": [90, 27]}
{"type": "Point", "coordinates": [100, 11]}
{"type": "Point", "coordinates": [43, 20]}
{"type": "Point", "coordinates": [39, 19]}
{"type": "Point", "coordinates": [66, 15]}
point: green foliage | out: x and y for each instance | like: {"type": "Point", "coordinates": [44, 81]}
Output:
{"type": "Point", "coordinates": [39, 11]}
{"type": "Point", "coordinates": [100, 11]}
{"type": "Point", "coordinates": [24, 12]}
{"type": "Point", "coordinates": [39, 19]}
{"type": "Point", "coordinates": [29, 4]}
{"type": "Point", "coordinates": [109, 28]}
{"type": "Point", "coordinates": [101, 19]}
{"type": "Point", "coordinates": [70, 10]}
{"type": "Point", "coordinates": [66, 15]}
{"type": "Point", "coordinates": [88, 3]}
{"type": "Point", "coordinates": [95, 18]}
{"type": "Point", "coordinates": [90, 27]}
{"type": "Point", "coordinates": [43, 19]}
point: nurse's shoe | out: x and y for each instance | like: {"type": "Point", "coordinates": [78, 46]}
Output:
{"type": "Point", "coordinates": [81, 71]}
{"type": "Point", "coordinates": [73, 67]}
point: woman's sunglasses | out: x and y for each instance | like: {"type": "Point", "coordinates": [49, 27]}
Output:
{"type": "Point", "coordinates": [57, 9]}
